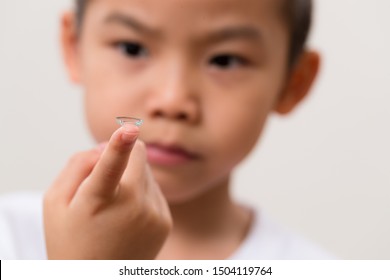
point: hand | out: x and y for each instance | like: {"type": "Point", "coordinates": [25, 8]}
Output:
{"type": "Point", "coordinates": [106, 204]}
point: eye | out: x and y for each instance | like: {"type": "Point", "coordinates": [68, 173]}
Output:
{"type": "Point", "coordinates": [227, 61]}
{"type": "Point", "coordinates": [132, 49]}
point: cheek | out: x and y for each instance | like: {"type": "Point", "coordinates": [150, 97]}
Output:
{"type": "Point", "coordinates": [104, 101]}
{"type": "Point", "coordinates": [236, 125]}
{"type": "Point", "coordinates": [109, 93]}
{"type": "Point", "coordinates": [101, 119]}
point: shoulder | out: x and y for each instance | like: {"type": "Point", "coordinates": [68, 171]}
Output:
{"type": "Point", "coordinates": [269, 240]}
{"type": "Point", "coordinates": [21, 226]}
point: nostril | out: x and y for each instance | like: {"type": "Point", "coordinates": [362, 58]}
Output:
{"type": "Point", "coordinates": [158, 114]}
{"type": "Point", "coordinates": [181, 116]}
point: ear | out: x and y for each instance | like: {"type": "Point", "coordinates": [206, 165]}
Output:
{"type": "Point", "coordinates": [300, 80]}
{"type": "Point", "coordinates": [69, 42]}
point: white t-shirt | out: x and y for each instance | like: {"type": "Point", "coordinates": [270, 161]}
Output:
{"type": "Point", "coordinates": [22, 234]}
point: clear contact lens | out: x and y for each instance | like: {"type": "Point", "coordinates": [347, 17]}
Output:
{"type": "Point", "coordinates": [129, 120]}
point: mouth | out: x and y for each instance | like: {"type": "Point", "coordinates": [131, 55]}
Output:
{"type": "Point", "coordinates": [169, 155]}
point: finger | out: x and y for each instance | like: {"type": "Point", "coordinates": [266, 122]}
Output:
{"type": "Point", "coordinates": [104, 179]}
{"type": "Point", "coordinates": [75, 172]}
{"type": "Point", "coordinates": [153, 192]}
{"type": "Point", "coordinates": [138, 181]}
{"type": "Point", "coordinates": [157, 203]}
{"type": "Point", "coordinates": [135, 172]}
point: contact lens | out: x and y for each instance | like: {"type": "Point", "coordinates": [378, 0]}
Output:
{"type": "Point", "coordinates": [129, 120]}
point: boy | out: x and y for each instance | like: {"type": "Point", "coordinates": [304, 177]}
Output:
{"type": "Point", "coordinates": [203, 75]}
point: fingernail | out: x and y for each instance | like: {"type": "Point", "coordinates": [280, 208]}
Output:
{"type": "Point", "coordinates": [130, 133]}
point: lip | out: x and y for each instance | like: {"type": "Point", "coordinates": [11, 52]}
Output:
{"type": "Point", "coordinates": [169, 155]}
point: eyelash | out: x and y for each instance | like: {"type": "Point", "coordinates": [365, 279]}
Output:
{"type": "Point", "coordinates": [228, 61]}
{"type": "Point", "coordinates": [132, 49]}
{"type": "Point", "coordinates": [136, 50]}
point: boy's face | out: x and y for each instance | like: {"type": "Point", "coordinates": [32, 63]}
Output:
{"type": "Point", "coordinates": [202, 74]}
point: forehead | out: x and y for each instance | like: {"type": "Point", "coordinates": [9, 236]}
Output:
{"type": "Point", "coordinates": [189, 15]}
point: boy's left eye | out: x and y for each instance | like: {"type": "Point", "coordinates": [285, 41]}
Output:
{"type": "Point", "coordinates": [227, 61]}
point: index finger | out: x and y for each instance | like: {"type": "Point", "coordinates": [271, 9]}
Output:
{"type": "Point", "coordinates": [105, 177]}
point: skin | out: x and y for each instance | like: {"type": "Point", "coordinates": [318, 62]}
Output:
{"type": "Point", "coordinates": [206, 87]}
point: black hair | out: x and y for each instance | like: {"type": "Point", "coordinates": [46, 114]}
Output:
{"type": "Point", "coordinates": [297, 13]}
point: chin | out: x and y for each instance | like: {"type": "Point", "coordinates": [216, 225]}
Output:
{"type": "Point", "coordinates": [179, 192]}
{"type": "Point", "coordinates": [180, 188]}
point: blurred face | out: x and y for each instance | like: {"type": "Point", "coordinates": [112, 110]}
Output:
{"type": "Point", "coordinates": [202, 74]}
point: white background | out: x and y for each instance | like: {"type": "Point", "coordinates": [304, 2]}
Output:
{"type": "Point", "coordinates": [324, 171]}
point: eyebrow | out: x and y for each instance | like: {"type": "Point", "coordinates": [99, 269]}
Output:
{"type": "Point", "coordinates": [130, 22]}
{"type": "Point", "coordinates": [224, 34]}
{"type": "Point", "coordinates": [235, 32]}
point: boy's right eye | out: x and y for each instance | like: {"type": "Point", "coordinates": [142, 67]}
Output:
{"type": "Point", "coordinates": [132, 49]}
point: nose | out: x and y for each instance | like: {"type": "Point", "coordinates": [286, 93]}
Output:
{"type": "Point", "coordinates": [175, 96]}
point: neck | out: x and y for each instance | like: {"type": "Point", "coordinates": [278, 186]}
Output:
{"type": "Point", "coordinates": [208, 219]}
{"type": "Point", "coordinates": [206, 213]}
